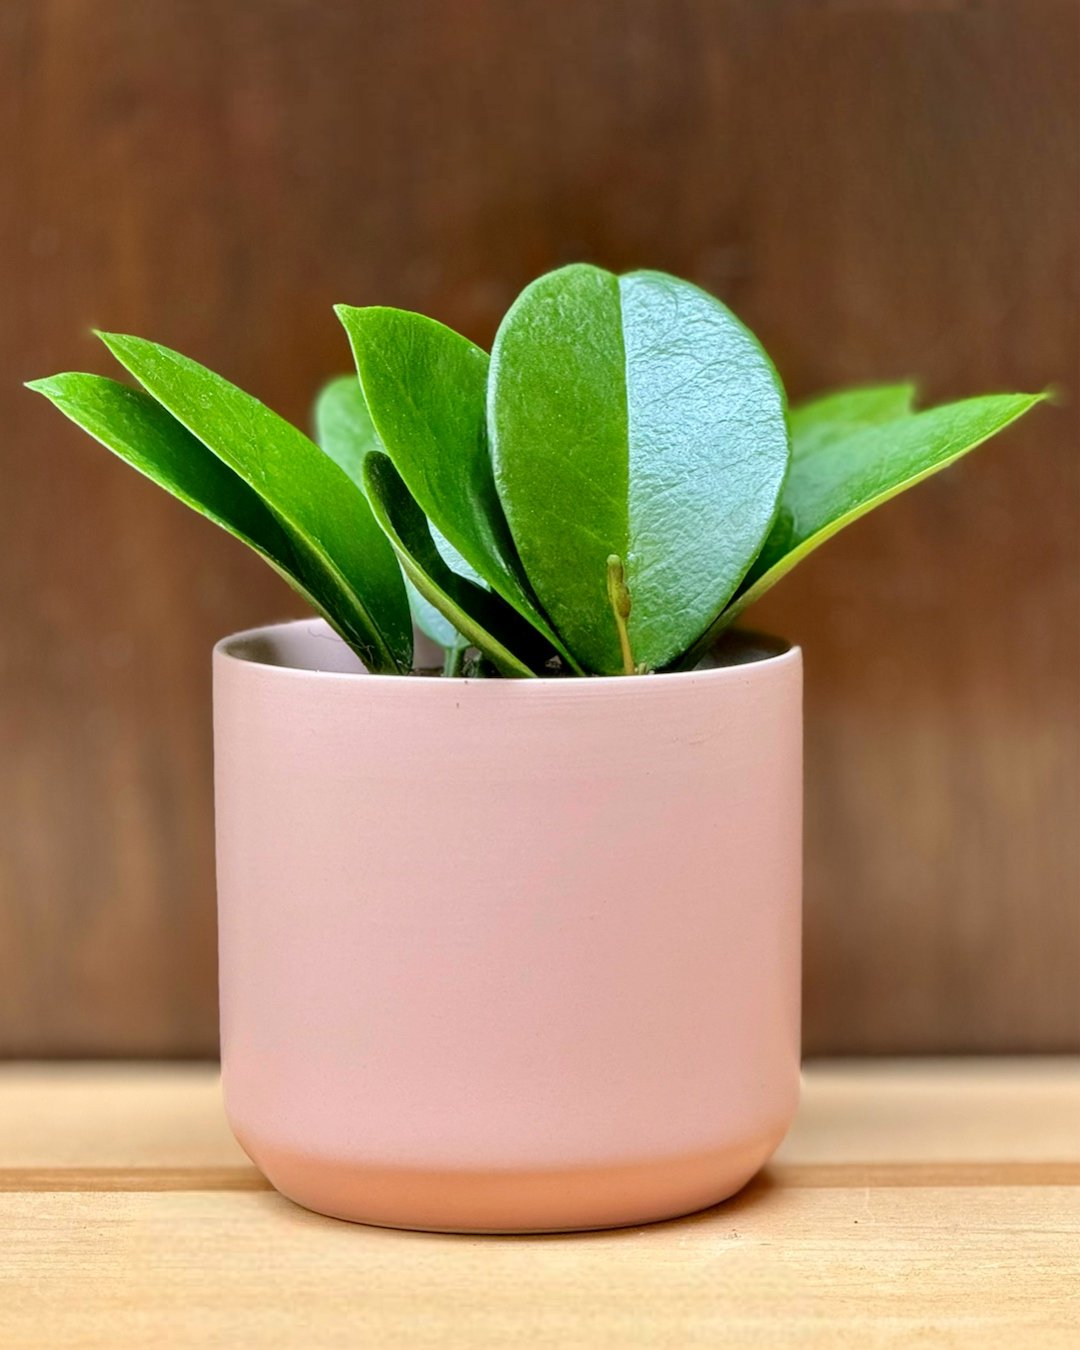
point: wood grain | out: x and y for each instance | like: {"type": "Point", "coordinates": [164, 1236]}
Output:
{"type": "Point", "coordinates": [955, 1223]}
{"type": "Point", "coordinates": [880, 189]}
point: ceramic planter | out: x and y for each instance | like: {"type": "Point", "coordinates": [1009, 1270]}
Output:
{"type": "Point", "coordinates": [506, 955]}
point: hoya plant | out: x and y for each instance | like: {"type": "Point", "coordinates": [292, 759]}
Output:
{"type": "Point", "coordinates": [603, 494]}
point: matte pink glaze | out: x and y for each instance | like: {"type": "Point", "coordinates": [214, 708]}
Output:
{"type": "Point", "coordinates": [506, 955]}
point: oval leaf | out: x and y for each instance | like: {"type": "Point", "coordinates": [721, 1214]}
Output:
{"type": "Point", "coordinates": [633, 416]}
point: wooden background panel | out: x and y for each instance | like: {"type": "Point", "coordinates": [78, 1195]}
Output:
{"type": "Point", "coordinates": [880, 189]}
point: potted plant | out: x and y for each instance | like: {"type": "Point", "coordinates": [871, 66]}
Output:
{"type": "Point", "coordinates": [516, 947]}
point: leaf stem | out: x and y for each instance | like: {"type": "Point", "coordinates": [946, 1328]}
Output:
{"type": "Point", "coordinates": [619, 599]}
{"type": "Point", "coordinates": [452, 662]}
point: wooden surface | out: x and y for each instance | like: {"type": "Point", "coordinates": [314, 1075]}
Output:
{"type": "Point", "coordinates": [914, 1204]}
{"type": "Point", "coordinates": [881, 189]}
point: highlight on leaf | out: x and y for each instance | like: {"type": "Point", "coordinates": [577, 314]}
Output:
{"type": "Point", "coordinates": [604, 495]}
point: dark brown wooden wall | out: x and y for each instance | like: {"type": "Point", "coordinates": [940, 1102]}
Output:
{"type": "Point", "coordinates": [880, 189]}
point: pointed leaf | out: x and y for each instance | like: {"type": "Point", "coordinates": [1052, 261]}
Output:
{"type": "Point", "coordinates": [138, 429]}
{"type": "Point", "coordinates": [343, 428]}
{"type": "Point", "coordinates": [431, 622]}
{"type": "Point", "coordinates": [324, 513]}
{"type": "Point", "coordinates": [819, 421]}
{"type": "Point", "coordinates": [425, 387]}
{"type": "Point", "coordinates": [633, 416]}
{"type": "Point", "coordinates": [485, 620]}
{"type": "Point", "coordinates": [848, 476]}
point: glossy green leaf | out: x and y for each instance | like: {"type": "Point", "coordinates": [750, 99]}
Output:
{"type": "Point", "coordinates": [344, 429]}
{"type": "Point", "coordinates": [861, 467]}
{"type": "Point", "coordinates": [324, 513]}
{"type": "Point", "coordinates": [819, 421]}
{"type": "Point", "coordinates": [138, 429]}
{"type": "Point", "coordinates": [486, 621]}
{"type": "Point", "coordinates": [425, 387]}
{"type": "Point", "coordinates": [633, 417]}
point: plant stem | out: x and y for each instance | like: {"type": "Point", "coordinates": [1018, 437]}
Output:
{"type": "Point", "coordinates": [452, 661]}
{"type": "Point", "coordinates": [619, 598]}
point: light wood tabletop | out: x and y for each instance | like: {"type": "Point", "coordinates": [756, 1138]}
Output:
{"type": "Point", "coordinates": [915, 1203]}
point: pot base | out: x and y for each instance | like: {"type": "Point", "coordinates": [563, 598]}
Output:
{"type": "Point", "coordinates": [557, 1200]}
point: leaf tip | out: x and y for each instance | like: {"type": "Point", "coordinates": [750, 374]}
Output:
{"type": "Point", "coordinates": [114, 342]}
{"type": "Point", "coordinates": [56, 388]}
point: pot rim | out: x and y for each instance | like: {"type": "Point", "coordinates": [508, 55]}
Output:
{"type": "Point", "coordinates": [763, 653]}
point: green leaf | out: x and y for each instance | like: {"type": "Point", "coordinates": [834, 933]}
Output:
{"type": "Point", "coordinates": [138, 429]}
{"type": "Point", "coordinates": [343, 428]}
{"type": "Point", "coordinates": [431, 622]}
{"type": "Point", "coordinates": [861, 467]}
{"type": "Point", "coordinates": [325, 515]}
{"type": "Point", "coordinates": [425, 387]}
{"type": "Point", "coordinates": [485, 620]}
{"type": "Point", "coordinates": [819, 421]}
{"type": "Point", "coordinates": [633, 417]}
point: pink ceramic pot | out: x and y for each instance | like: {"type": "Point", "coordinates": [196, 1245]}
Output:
{"type": "Point", "coordinates": [506, 955]}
